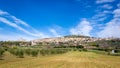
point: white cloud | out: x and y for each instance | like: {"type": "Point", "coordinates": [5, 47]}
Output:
{"type": "Point", "coordinates": [116, 13]}
{"type": "Point", "coordinates": [112, 28]}
{"type": "Point", "coordinates": [2, 12]}
{"type": "Point", "coordinates": [83, 28]}
{"type": "Point", "coordinates": [99, 17]}
{"type": "Point", "coordinates": [103, 1]}
{"type": "Point", "coordinates": [13, 37]}
{"type": "Point", "coordinates": [107, 12]}
{"type": "Point", "coordinates": [18, 27]}
{"type": "Point", "coordinates": [102, 19]}
{"type": "Point", "coordinates": [16, 20]}
{"type": "Point", "coordinates": [54, 32]}
{"type": "Point", "coordinates": [106, 6]}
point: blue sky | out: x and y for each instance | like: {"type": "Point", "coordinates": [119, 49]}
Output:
{"type": "Point", "coordinates": [33, 19]}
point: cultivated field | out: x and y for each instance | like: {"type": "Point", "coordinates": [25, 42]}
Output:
{"type": "Point", "coordinates": [72, 59]}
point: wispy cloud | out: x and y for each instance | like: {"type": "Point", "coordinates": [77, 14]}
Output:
{"type": "Point", "coordinates": [103, 10]}
{"type": "Point", "coordinates": [83, 28]}
{"type": "Point", "coordinates": [106, 6]}
{"type": "Point", "coordinates": [99, 16]}
{"type": "Point", "coordinates": [103, 1]}
{"type": "Point", "coordinates": [107, 12]}
{"type": "Point", "coordinates": [116, 13]}
{"type": "Point", "coordinates": [57, 31]}
{"type": "Point", "coordinates": [112, 28]}
{"type": "Point", "coordinates": [14, 22]}
{"type": "Point", "coordinates": [14, 37]}
{"type": "Point", "coordinates": [3, 20]}
{"type": "Point", "coordinates": [2, 12]}
{"type": "Point", "coordinates": [54, 32]}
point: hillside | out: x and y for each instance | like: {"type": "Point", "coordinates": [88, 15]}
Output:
{"type": "Point", "coordinates": [68, 38]}
{"type": "Point", "coordinates": [76, 40]}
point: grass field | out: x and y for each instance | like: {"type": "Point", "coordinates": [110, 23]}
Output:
{"type": "Point", "coordinates": [73, 59]}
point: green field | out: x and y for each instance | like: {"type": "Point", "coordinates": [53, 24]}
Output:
{"type": "Point", "coordinates": [72, 59]}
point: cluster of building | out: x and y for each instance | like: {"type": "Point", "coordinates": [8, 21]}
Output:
{"type": "Point", "coordinates": [65, 40]}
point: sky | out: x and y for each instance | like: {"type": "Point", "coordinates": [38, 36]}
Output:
{"type": "Point", "coordinates": [36, 19]}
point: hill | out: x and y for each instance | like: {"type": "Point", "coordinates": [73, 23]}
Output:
{"type": "Point", "coordinates": [77, 40]}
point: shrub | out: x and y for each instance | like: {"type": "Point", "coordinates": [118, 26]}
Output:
{"type": "Point", "coordinates": [53, 51]}
{"type": "Point", "coordinates": [12, 51]}
{"type": "Point", "coordinates": [28, 51]}
{"type": "Point", "coordinates": [34, 52]}
{"type": "Point", "coordinates": [94, 44]}
{"type": "Point", "coordinates": [1, 52]}
{"type": "Point", "coordinates": [14, 47]}
{"type": "Point", "coordinates": [84, 49]}
{"type": "Point", "coordinates": [79, 46]}
{"type": "Point", "coordinates": [74, 49]}
{"type": "Point", "coordinates": [20, 53]}
{"type": "Point", "coordinates": [79, 50]}
{"type": "Point", "coordinates": [17, 52]}
{"type": "Point", "coordinates": [44, 52]}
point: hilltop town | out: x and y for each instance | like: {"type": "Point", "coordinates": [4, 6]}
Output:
{"type": "Point", "coordinates": [73, 40]}
{"type": "Point", "coordinates": [68, 41]}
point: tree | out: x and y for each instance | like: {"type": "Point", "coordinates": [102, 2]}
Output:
{"type": "Point", "coordinates": [1, 52]}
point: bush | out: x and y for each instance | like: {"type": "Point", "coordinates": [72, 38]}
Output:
{"type": "Point", "coordinates": [94, 44]}
{"type": "Point", "coordinates": [84, 49]}
{"type": "Point", "coordinates": [34, 52]}
{"type": "Point", "coordinates": [79, 46]}
{"type": "Point", "coordinates": [17, 52]}
{"type": "Point", "coordinates": [1, 52]}
{"type": "Point", "coordinates": [102, 49]}
{"type": "Point", "coordinates": [74, 49]}
{"type": "Point", "coordinates": [42, 52]}
{"type": "Point", "coordinates": [28, 51]}
{"type": "Point", "coordinates": [20, 53]}
{"type": "Point", "coordinates": [14, 47]}
{"type": "Point", "coordinates": [79, 50]}
{"type": "Point", "coordinates": [53, 51]}
{"type": "Point", "coordinates": [12, 51]}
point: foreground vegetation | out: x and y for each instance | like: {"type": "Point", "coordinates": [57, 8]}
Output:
{"type": "Point", "coordinates": [71, 59]}
{"type": "Point", "coordinates": [99, 54]}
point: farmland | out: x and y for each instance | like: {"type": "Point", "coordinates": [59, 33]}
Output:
{"type": "Point", "coordinates": [67, 52]}
{"type": "Point", "coordinates": [71, 59]}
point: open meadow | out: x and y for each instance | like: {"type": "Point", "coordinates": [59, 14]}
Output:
{"type": "Point", "coordinates": [71, 59]}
